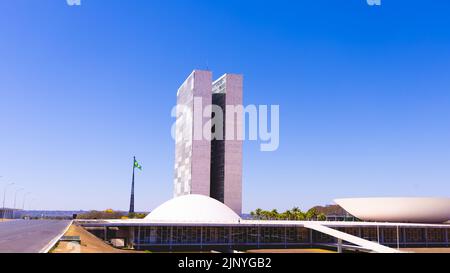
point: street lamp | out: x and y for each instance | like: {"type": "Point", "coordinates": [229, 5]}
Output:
{"type": "Point", "coordinates": [15, 198]}
{"type": "Point", "coordinates": [4, 197]}
{"type": "Point", "coordinates": [2, 210]}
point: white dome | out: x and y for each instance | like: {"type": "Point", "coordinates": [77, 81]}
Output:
{"type": "Point", "coordinates": [193, 209]}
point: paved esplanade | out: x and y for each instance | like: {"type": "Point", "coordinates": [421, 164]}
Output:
{"type": "Point", "coordinates": [23, 236]}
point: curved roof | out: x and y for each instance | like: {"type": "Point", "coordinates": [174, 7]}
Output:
{"type": "Point", "coordinates": [193, 209]}
{"type": "Point", "coordinates": [405, 209]}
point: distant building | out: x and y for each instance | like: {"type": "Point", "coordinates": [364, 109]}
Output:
{"type": "Point", "coordinates": [334, 213]}
{"type": "Point", "coordinates": [209, 166]}
{"type": "Point", "coordinates": [8, 213]}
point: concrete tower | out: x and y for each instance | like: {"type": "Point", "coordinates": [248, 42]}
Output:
{"type": "Point", "coordinates": [211, 167]}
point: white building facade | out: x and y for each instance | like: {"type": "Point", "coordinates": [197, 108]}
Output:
{"type": "Point", "coordinates": [209, 165]}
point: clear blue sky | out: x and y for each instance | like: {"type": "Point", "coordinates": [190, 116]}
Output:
{"type": "Point", "coordinates": [364, 95]}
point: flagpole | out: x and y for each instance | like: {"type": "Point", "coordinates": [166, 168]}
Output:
{"type": "Point", "coordinates": [132, 189]}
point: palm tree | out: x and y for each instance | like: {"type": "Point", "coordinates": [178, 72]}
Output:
{"type": "Point", "coordinates": [311, 214]}
{"type": "Point", "coordinates": [287, 215]}
{"type": "Point", "coordinates": [274, 214]}
{"type": "Point", "coordinates": [297, 214]}
{"type": "Point", "coordinates": [293, 214]}
{"type": "Point", "coordinates": [302, 216]}
{"type": "Point", "coordinates": [258, 213]}
{"type": "Point", "coordinates": [266, 215]}
{"type": "Point", "coordinates": [322, 217]}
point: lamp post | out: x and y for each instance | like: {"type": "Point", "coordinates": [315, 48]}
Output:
{"type": "Point", "coordinates": [15, 198]}
{"type": "Point", "coordinates": [1, 219]}
{"type": "Point", "coordinates": [4, 197]}
{"type": "Point", "coordinates": [3, 213]}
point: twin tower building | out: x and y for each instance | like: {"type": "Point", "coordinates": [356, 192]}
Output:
{"type": "Point", "coordinates": [207, 160]}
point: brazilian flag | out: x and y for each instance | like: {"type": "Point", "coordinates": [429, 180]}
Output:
{"type": "Point", "coordinates": [137, 165]}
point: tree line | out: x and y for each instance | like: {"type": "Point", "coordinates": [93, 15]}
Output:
{"type": "Point", "coordinates": [110, 214]}
{"type": "Point", "coordinates": [293, 214]}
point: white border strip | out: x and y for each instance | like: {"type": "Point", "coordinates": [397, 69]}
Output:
{"type": "Point", "coordinates": [55, 240]}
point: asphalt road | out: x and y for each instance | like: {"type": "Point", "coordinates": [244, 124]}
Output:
{"type": "Point", "coordinates": [23, 236]}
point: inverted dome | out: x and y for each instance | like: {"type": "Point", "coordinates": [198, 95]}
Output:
{"type": "Point", "coordinates": [413, 210]}
{"type": "Point", "coordinates": [193, 209]}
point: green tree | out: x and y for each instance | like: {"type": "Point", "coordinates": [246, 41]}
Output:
{"type": "Point", "coordinates": [274, 215]}
{"type": "Point", "coordinates": [297, 214]}
{"type": "Point", "coordinates": [264, 215]}
{"type": "Point", "coordinates": [107, 214]}
{"type": "Point", "coordinates": [311, 214]}
{"type": "Point", "coordinates": [287, 215]}
{"type": "Point", "coordinates": [258, 213]}
{"type": "Point", "coordinates": [322, 217]}
{"type": "Point", "coordinates": [292, 214]}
